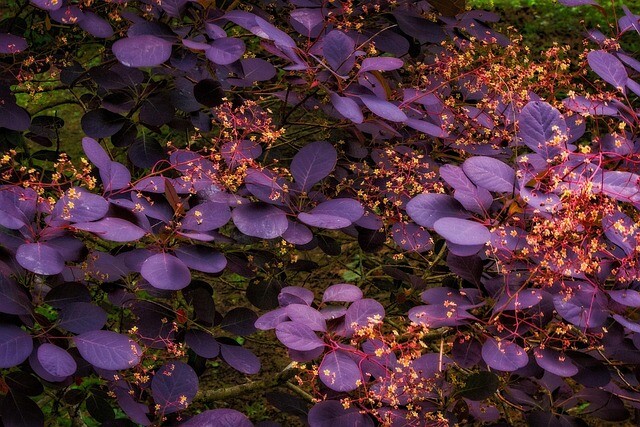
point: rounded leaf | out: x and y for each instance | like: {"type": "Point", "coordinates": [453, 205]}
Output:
{"type": "Point", "coordinates": [462, 231]}
{"type": "Point", "coordinates": [225, 51]}
{"type": "Point", "coordinates": [331, 413]}
{"type": "Point", "coordinates": [504, 355]}
{"type": "Point", "coordinates": [108, 350]}
{"type": "Point", "coordinates": [10, 44]}
{"type": "Point", "coordinates": [81, 317]}
{"type": "Point", "coordinates": [164, 271]}
{"type": "Point", "coordinates": [219, 418]}
{"type": "Point", "coordinates": [15, 346]}
{"type": "Point", "coordinates": [40, 258]}
{"type": "Point", "coordinates": [56, 361]}
{"type": "Point", "coordinates": [113, 229]}
{"type": "Point", "coordinates": [342, 292]}
{"type": "Point", "coordinates": [260, 220]}
{"type": "Point", "coordinates": [555, 362]}
{"type": "Point", "coordinates": [426, 209]}
{"type": "Point", "coordinates": [314, 162]}
{"type": "Point", "coordinates": [174, 386]}
{"type": "Point", "coordinates": [298, 336]}
{"type": "Point", "coordinates": [142, 51]}
{"type": "Point", "coordinates": [339, 371]}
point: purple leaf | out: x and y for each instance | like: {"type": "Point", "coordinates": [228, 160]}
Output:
{"type": "Point", "coordinates": [15, 346]}
{"type": "Point", "coordinates": [134, 410]}
{"type": "Point", "coordinates": [308, 22]}
{"type": "Point", "coordinates": [260, 28]}
{"type": "Point", "coordinates": [202, 258]}
{"type": "Point", "coordinates": [524, 298]}
{"type": "Point", "coordinates": [307, 316]}
{"type": "Point", "coordinates": [81, 317]}
{"type": "Point", "coordinates": [411, 237]}
{"type": "Point", "coordinates": [206, 217]}
{"type": "Point", "coordinates": [504, 355]}
{"type": "Point", "coordinates": [381, 63]}
{"type": "Point", "coordinates": [555, 362]}
{"type": "Point", "coordinates": [219, 418]}
{"type": "Point", "coordinates": [313, 163]}
{"type": "Point", "coordinates": [96, 154]}
{"type": "Point", "coordinates": [304, 296]}
{"type": "Point", "coordinates": [13, 117]}
{"type": "Point", "coordinates": [543, 129]}
{"type": "Point", "coordinates": [239, 321]}
{"type": "Point", "coordinates": [113, 229]}
{"type": "Point", "coordinates": [108, 350]}
{"type": "Point", "coordinates": [203, 343]}
{"type": "Point", "coordinates": [462, 231]}
{"type": "Point", "coordinates": [338, 50]}
{"type": "Point", "coordinates": [79, 205]}
{"type": "Point", "coordinates": [581, 104]}
{"type": "Point", "coordinates": [95, 25]}
{"type": "Point", "coordinates": [240, 359]}
{"type": "Point", "coordinates": [331, 413]}
{"type": "Point", "coordinates": [56, 361]}
{"type": "Point", "coordinates": [342, 292]}
{"type": "Point", "coordinates": [362, 312]}
{"type": "Point", "coordinates": [174, 386]}
{"type": "Point", "coordinates": [490, 173]}
{"type": "Point", "coordinates": [620, 185]}
{"type": "Point", "coordinates": [237, 152]}
{"type": "Point", "coordinates": [572, 3]}
{"type": "Point", "coordinates": [583, 309]}
{"type": "Point", "coordinates": [626, 297]}
{"type": "Point", "coordinates": [384, 109]}
{"type": "Point", "coordinates": [40, 258]}
{"type": "Point", "coordinates": [298, 234]}
{"type": "Point", "coordinates": [427, 128]}
{"type": "Point", "coordinates": [101, 123]}
{"type": "Point", "coordinates": [339, 372]}
{"type": "Point", "coordinates": [48, 4]}
{"type": "Point", "coordinates": [142, 51]}
{"type": "Point", "coordinates": [609, 68]}
{"type": "Point", "coordinates": [13, 299]}
{"type": "Point", "coordinates": [347, 107]}
{"type": "Point", "coordinates": [298, 336]}
{"type": "Point", "coordinates": [10, 44]}
{"type": "Point", "coordinates": [426, 209]}
{"type": "Point", "coordinates": [260, 220]}
{"type": "Point", "coordinates": [225, 51]}
{"type": "Point", "coordinates": [333, 214]}
{"type": "Point", "coordinates": [164, 271]}
{"type": "Point", "coordinates": [257, 70]}
{"type": "Point", "coordinates": [271, 319]}
{"type": "Point", "coordinates": [437, 316]}
{"type": "Point", "coordinates": [115, 176]}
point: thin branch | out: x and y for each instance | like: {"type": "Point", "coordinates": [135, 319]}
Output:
{"type": "Point", "coordinates": [237, 390]}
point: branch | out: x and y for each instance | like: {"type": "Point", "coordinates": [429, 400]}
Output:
{"type": "Point", "coordinates": [236, 390]}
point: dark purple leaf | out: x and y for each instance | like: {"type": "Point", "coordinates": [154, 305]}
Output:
{"type": "Point", "coordinates": [462, 231]}
{"type": "Point", "coordinates": [96, 154]}
{"type": "Point", "coordinates": [260, 220]}
{"type": "Point", "coordinates": [504, 355]}
{"type": "Point", "coordinates": [13, 117]}
{"type": "Point", "coordinates": [134, 410]}
{"type": "Point", "coordinates": [56, 361]}
{"type": "Point", "coordinates": [108, 350]}
{"type": "Point", "coordinates": [202, 258]}
{"type": "Point", "coordinates": [555, 362]}
{"type": "Point", "coordinates": [225, 51]}
{"type": "Point", "coordinates": [174, 386]}
{"type": "Point", "coordinates": [583, 309]}
{"type": "Point", "coordinates": [113, 229]}
{"type": "Point", "coordinates": [426, 209]}
{"type": "Point", "coordinates": [298, 234]}
{"type": "Point", "coordinates": [439, 315]}
{"type": "Point", "coordinates": [142, 51]}
{"type": "Point", "coordinates": [313, 163]}
{"type": "Point", "coordinates": [20, 411]}
{"type": "Point", "coordinates": [411, 237]}
{"type": "Point", "coordinates": [342, 292]}
{"type": "Point", "coordinates": [235, 153]}
{"type": "Point", "coordinates": [609, 68]}
{"type": "Point", "coordinates": [115, 176]}
{"type": "Point", "coordinates": [101, 123]}
{"type": "Point", "coordinates": [257, 70]}
{"type": "Point", "coordinates": [490, 173]}
{"type": "Point", "coordinates": [219, 418]}
{"type": "Point", "coordinates": [338, 50]}
{"type": "Point", "coordinates": [15, 346]}
{"type": "Point", "coordinates": [81, 317]}
{"type": "Point", "coordinates": [240, 359]}
{"type": "Point", "coordinates": [331, 413]}
{"type": "Point", "coordinates": [339, 371]}
{"type": "Point", "coordinates": [239, 321]}
{"type": "Point", "coordinates": [10, 44]}
{"type": "Point", "coordinates": [40, 258]}
{"type": "Point", "coordinates": [95, 25]}
{"type": "Point", "coordinates": [347, 107]}
{"type": "Point", "coordinates": [298, 336]}
{"type": "Point", "coordinates": [202, 343]}
{"type": "Point", "coordinates": [627, 297]}
{"type": "Point", "coordinates": [13, 299]}
{"type": "Point", "coordinates": [48, 4]}
{"type": "Point", "coordinates": [164, 271]}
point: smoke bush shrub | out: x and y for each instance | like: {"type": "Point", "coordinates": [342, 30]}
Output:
{"type": "Point", "coordinates": [493, 199]}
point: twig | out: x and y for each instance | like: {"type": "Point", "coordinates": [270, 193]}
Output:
{"type": "Point", "coordinates": [236, 390]}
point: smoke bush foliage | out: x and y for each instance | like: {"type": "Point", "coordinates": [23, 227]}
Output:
{"type": "Point", "coordinates": [500, 192]}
